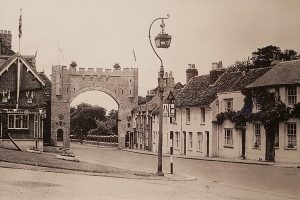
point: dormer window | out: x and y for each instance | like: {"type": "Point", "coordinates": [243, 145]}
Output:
{"type": "Point", "coordinates": [291, 96]}
{"type": "Point", "coordinates": [228, 105]}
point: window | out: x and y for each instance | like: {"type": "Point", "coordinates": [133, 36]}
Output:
{"type": "Point", "coordinates": [18, 121]}
{"type": "Point", "coordinates": [177, 139]}
{"type": "Point", "coordinates": [171, 120]}
{"type": "Point", "coordinates": [11, 119]}
{"type": "Point", "coordinates": [199, 141]}
{"type": "Point", "coordinates": [191, 139]}
{"type": "Point", "coordinates": [202, 111]}
{"type": "Point", "coordinates": [217, 106]}
{"type": "Point", "coordinates": [256, 104]}
{"type": "Point", "coordinates": [228, 105]}
{"type": "Point", "coordinates": [257, 135]}
{"type": "Point", "coordinates": [188, 115]}
{"type": "Point", "coordinates": [292, 95]}
{"type": "Point", "coordinates": [291, 135]}
{"type": "Point", "coordinates": [228, 136]}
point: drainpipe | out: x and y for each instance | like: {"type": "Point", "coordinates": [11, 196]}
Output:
{"type": "Point", "coordinates": [218, 145]}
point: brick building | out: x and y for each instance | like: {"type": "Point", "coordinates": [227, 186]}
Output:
{"type": "Point", "coordinates": [24, 99]}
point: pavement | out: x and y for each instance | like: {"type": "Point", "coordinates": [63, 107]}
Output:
{"type": "Point", "coordinates": [240, 161]}
{"type": "Point", "coordinates": [47, 161]}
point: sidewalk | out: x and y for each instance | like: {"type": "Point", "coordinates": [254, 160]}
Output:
{"type": "Point", "coordinates": [48, 162]}
{"type": "Point", "coordinates": [240, 161]}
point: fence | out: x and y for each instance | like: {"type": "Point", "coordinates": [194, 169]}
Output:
{"type": "Point", "coordinates": [103, 138]}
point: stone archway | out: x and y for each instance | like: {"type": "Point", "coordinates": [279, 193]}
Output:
{"type": "Point", "coordinates": [67, 83]}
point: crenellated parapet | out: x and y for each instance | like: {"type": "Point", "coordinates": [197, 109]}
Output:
{"type": "Point", "coordinates": [94, 71]}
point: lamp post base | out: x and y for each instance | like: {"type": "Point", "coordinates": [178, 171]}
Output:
{"type": "Point", "coordinates": [160, 173]}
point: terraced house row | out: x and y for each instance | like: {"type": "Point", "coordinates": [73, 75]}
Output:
{"type": "Point", "coordinates": [236, 113]}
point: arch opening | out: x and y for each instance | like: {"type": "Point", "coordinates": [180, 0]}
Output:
{"type": "Point", "coordinates": [94, 117]}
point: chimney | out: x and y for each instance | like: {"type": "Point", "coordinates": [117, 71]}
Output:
{"type": "Point", "coordinates": [191, 72]}
{"type": "Point", "coordinates": [169, 80]}
{"type": "Point", "coordinates": [216, 71]}
{"type": "Point", "coordinates": [6, 38]}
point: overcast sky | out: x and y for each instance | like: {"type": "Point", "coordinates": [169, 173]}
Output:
{"type": "Point", "coordinates": [100, 33]}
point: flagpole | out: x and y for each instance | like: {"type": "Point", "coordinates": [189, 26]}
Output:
{"type": "Point", "coordinates": [19, 56]}
{"type": "Point", "coordinates": [20, 31]}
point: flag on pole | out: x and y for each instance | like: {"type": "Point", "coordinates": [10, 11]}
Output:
{"type": "Point", "coordinates": [134, 55]}
{"type": "Point", "coordinates": [20, 24]}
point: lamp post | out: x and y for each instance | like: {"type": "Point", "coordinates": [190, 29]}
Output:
{"type": "Point", "coordinates": [162, 40]}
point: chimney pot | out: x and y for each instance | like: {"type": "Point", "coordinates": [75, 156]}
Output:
{"type": "Point", "coordinates": [191, 72]}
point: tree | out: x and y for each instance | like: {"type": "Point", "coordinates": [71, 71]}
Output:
{"type": "Point", "coordinates": [289, 54]}
{"type": "Point", "coordinates": [113, 117]}
{"type": "Point", "coordinates": [263, 57]}
{"type": "Point", "coordinates": [84, 117]}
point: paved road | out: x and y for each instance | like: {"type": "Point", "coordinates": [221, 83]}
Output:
{"type": "Point", "coordinates": [22, 184]}
{"type": "Point", "coordinates": [261, 178]}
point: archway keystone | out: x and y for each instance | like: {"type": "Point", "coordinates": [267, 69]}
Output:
{"type": "Point", "coordinates": [67, 83]}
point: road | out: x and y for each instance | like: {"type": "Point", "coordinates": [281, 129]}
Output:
{"type": "Point", "coordinates": [20, 184]}
{"type": "Point", "coordinates": [271, 179]}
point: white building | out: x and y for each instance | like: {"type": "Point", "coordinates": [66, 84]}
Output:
{"type": "Point", "coordinates": [281, 143]}
{"type": "Point", "coordinates": [231, 138]}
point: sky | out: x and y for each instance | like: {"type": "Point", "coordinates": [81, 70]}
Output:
{"type": "Point", "coordinates": [99, 33]}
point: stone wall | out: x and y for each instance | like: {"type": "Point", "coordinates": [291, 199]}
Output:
{"type": "Point", "coordinates": [67, 83]}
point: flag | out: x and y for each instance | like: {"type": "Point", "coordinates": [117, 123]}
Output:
{"type": "Point", "coordinates": [20, 24]}
{"type": "Point", "coordinates": [134, 55]}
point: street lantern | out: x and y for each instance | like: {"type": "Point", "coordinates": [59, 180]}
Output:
{"type": "Point", "coordinates": [162, 40]}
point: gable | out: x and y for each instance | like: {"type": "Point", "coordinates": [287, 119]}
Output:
{"type": "Point", "coordinates": [13, 61]}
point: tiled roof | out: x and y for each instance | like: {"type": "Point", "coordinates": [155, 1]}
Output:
{"type": "Point", "coordinates": [246, 78]}
{"type": "Point", "coordinates": [191, 93]}
{"type": "Point", "coordinates": [10, 60]}
{"type": "Point", "coordinates": [199, 92]}
{"type": "Point", "coordinates": [45, 78]}
{"type": "Point", "coordinates": [7, 61]}
{"type": "Point", "coordinates": [283, 73]}
{"type": "Point", "coordinates": [2, 61]}
{"type": "Point", "coordinates": [142, 100]}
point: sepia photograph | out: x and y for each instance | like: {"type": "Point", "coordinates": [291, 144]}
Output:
{"type": "Point", "coordinates": [146, 100]}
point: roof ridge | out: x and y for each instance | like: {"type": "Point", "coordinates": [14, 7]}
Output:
{"type": "Point", "coordinates": [287, 61]}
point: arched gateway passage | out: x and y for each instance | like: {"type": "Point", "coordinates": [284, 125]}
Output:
{"type": "Point", "coordinates": [67, 83]}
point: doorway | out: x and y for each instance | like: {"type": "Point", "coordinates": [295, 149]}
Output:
{"type": "Point", "coordinates": [207, 143]}
{"type": "Point", "coordinates": [184, 143]}
{"type": "Point", "coordinates": [243, 144]}
{"type": "Point", "coordinates": [60, 135]}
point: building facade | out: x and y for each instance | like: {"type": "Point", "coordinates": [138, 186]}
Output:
{"type": "Point", "coordinates": [281, 142]}
{"type": "Point", "coordinates": [24, 99]}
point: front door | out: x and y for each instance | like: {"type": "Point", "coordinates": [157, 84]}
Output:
{"type": "Point", "coordinates": [184, 143]}
{"type": "Point", "coordinates": [207, 143]}
{"type": "Point", "coordinates": [243, 144]}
